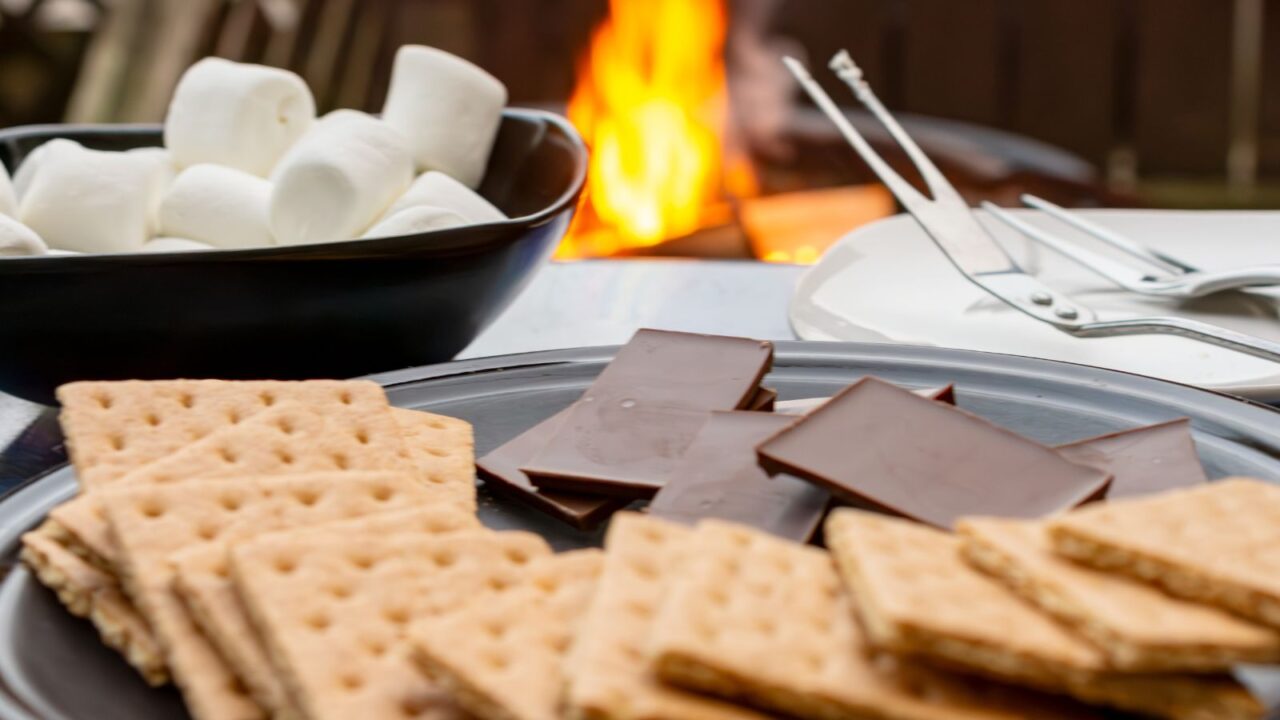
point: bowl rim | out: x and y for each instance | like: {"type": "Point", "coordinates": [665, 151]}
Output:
{"type": "Point", "coordinates": [454, 239]}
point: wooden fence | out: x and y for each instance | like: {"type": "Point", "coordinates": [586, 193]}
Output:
{"type": "Point", "coordinates": [1140, 87]}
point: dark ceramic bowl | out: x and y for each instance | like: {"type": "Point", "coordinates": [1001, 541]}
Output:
{"type": "Point", "coordinates": [333, 310]}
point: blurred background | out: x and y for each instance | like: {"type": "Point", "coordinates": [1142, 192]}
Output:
{"type": "Point", "coordinates": [702, 144]}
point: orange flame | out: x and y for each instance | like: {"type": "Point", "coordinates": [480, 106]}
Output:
{"type": "Point", "coordinates": [651, 103]}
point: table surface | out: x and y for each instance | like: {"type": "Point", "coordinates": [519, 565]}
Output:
{"type": "Point", "coordinates": [577, 304]}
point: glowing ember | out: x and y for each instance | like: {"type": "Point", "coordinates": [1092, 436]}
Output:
{"type": "Point", "coordinates": [651, 103]}
{"type": "Point", "coordinates": [797, 227]}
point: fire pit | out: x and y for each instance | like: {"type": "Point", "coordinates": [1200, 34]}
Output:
{"type": "Point", "coordinates": [699, 151]}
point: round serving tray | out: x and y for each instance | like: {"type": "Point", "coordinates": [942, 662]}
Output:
{"type": "Point", "coordinates": [53, 667]}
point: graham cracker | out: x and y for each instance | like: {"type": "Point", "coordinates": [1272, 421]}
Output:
{"type": "Point", "coordinates": [204, 584]}
{"type": "Point", "coordinates": [764, 621]}
{"type": "Point", "coordinates": [113, 428]}
{"type": "Point", "coordinates": [916, 595]}
{"type": "Point", "coordinates": [332, 610]}
{"type": "Point", "coordinates": [88, 592]}
{"type": "Point", "coordinates": [608, 666]}
{"type": "Point", "coordinates": [503, 655]}
{"type": "Point", "coordinates": [1139, 628]}
{"type": "Point", "coordinates": [1217, 543]}
{"type": "Point", "coordinates": [152, 521]}
{"type": "Point", "coordinates": [286, 438]}
{"type": "Point", "coordinates": [442, 448]}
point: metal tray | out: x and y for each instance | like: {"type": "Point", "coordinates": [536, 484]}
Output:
{"type": "Point", "coordinates": [53, 667]}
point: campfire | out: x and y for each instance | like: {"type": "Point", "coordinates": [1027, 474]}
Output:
{"type": "Point", "coordinates": [651, 101]}
{"type": "Point", "coordinates": [669, 172]}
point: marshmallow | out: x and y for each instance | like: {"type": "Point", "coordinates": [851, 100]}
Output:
{"type": "Point", "coordinates": [27, 169]}
{"type": "Point", "coordinates": [91, 201]}
{"type": "Point", "coordinates": [174, 244]}
{"type": "Point", "coordinates": [439, 190]}
{"type": "Point", "coordinates": [17, 240]}
{"type": "Point", "coordinates": [338, 179]}
{"type": "Point", "coordinates": [161, 156]}
{"type": "Point", "coordinates": [236, 114]}
{"type": "Point", "coordinates": [165, 171]}
{"type": "Point", "coordinates": [414, 220]}
{"type": "Point", "coordinates": [217, 205]}
{"type": "Point", "coordinates": [448, 108]}
{"type": "Point", "coordinates": [8, 198]}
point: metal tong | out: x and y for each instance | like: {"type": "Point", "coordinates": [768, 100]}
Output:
{"type": "Point", "coordinates": [949, 221]}
{"type": "Point", "coordinates": [1160, 275]}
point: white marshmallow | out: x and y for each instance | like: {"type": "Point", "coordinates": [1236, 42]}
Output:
{"type": "Point", "coordinates": [217, 205]}
{"type": "Point", "coordinates": [174, 244]}
{"type": "Point", "coordinates": [18, 240]}
{"type": "Point", "coordinates": [165, 172]}
{"type": "Point", "coordinates": [27, 169]}
{"type": "Point", "coordinates": [414, 220]}
{"type": "Point", "coordinates": [439, 190]}
{"type": "Point", "coordinates": [448, 108]}
{"type": "Point", "coordinates": [338, 179]}
{"type": "Point", "coordinates": [236, 114]}
{"type": "Point", "coordinates": [91, 201]}
{"type": "Point", "coordinates": [8, 198]}
{"type": "Point", "coordinates": [160, 156]}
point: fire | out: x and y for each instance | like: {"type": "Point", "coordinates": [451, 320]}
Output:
{"type": "Point", "coordinates": [651, 102]}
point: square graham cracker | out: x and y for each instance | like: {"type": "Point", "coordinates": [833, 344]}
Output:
{"type": "Point", "coordinates": [115, 427]}
{"type": "Point", "coordinates": [442, 449]}
{"type": "Point", "coordinates": [333, 609]}
{"type": "Point", "coordinates": [1217, 543]}
{"type": "Point", "coordinates": [1139, 628]}
{"type": "Point", "coordinates": [205, 586]}
{"type": "Point", "coordinates": [503, 655]}
{"type": "Point", "coordinates": [916, 595]}
{"type": "Point", "coordinates": [92, 593]}
{"type": "Point", "coordinates": [608, 667]}
{"type": "Point", "coordinates": [151, 522]}
{"type": "Point", "coordinates": [285, 439]}
{"type": "Point", "coordinates": [761, 620]}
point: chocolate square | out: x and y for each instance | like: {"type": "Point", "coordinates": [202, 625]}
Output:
{"type": "Point", "coordinates": [629, 430]}
{"type": "Point", "coordinates": [1143, 460]}
{"type": "Point", "coordinates": [877, 444]}
{"type": "Point", "coordinates": [500, 470]}
{"type": "Point", "coordinates": [720, 478]}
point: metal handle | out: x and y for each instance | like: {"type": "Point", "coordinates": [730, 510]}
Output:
{"type": "Point", "coordinates": [1193, 329]}
{"type": "Point", "coordinates": [1218, 280]}
{"type": "Point", "coordinates": [1159, 260]}
{"type": "Point", "coordinates": [1117, 272]}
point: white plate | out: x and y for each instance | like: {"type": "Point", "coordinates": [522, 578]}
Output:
{"type": "Point", "coordinates": [888, 282]}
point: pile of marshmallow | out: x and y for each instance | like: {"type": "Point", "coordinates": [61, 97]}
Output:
{"type": "Point", "coordinates": [247, 164]}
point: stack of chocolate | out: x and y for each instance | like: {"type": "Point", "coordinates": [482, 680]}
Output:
{"type": "Point", "coordinates": [681, 420]}
{"type": "Point", "coordinates": [630, 431]}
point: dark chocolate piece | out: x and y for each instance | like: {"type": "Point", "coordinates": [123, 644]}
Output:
{"type": "Point", "coordinates": [763, 401]}
{"type": "Point", "coordinates": [500, 470]}
{"type": "Point", "coordinates": [1143, 460]}
{"type": "Point", "coordinates": [626, 434]}
{"type": "Point", "coordinates": [719, 478]}
{"type": "Point", "coordinates": [616, 452]}
{"type": "Point", "coordinates": [945, 394]}
{"type": "Point", "coordinates": [887, 447]}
